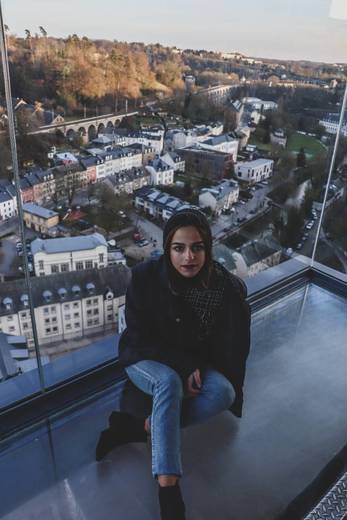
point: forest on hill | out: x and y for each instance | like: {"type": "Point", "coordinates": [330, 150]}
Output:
{"type": "Point", "coordinates": [77, 72]}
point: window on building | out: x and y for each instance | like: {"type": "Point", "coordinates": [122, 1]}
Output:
{"type": "Point", "coordinates": [24, 315]}
{"type": "Point", "coordinates": [64, 268]}
{"type": "Point", "coordinates": [11, 329]}
{"type": "Point", "coordinates": [75, 305]}
{"type": "Point", "coordinates": [89, 323]}
{"type": "Point", "coordinates": [48, 330]}
{"type": "Point", "coordinates": [54, 320]}
{"type": "Point", "coordinates": [76, 315]}
{"type": "Point", "coordinates": [96, 322]}
{"type": "Point", "coordinates": [9, 318]}
{"type": "Point", "coordinates": [95, 312]}
{"type": "Point", "coordinates": [66, 306]}
{"type": "Point", "coordinates": [77, 325]}
{"type": "Point", "coordinates": [45, 310]}
{"type": "Point", "coordinates": [68, 326]}
{"type": "Point", "coordinates": [95, 300]}
{"type": "Point", "coordinates": [89, 264]}
{"type": "Point", "coordinates": [101, 257]}
{"type": "Point", "coordinates": [54, 268]}
{"type": "Point", "coordinates": [109, 316]}
{"type": "Point", "coordinates": [89, 312]}
{"type": "Point", "coordinates": [79, 266]}
{"type": "Point", "coordinates": [55, 329]}
{"type": "Point", "coordinates": [41, 266]}
{"type": "Point", "coordinates": [47, 320]}
{"type": "Point", "coordinates": [109, 307]}
{"type": "Point", "coordinates": [88, 302]}
{"type": "Point", "coordinates": [53, 310]}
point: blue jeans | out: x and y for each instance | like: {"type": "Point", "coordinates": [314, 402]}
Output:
{"type": "Point", "coordinates": [172, 410]}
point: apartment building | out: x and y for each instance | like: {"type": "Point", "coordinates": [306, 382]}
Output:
{"type": "Point", "coordinates": [62, 255]}
{"type": "Point", "coordinates": [67, 305]}
{"type": "Point", "coordinates": [254, 171]}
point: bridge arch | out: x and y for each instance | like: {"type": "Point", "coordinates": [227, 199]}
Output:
{"type": "Point", "coordinates": [82, 131]}
{"type": "Point", "coordinates": [101, 128]}
{"type": "Point", "coordinates": [110, 126]}
{"type": "Point", "coordinates": [91, 132]}
{"type": "Point", "coordinates": [70, 134]}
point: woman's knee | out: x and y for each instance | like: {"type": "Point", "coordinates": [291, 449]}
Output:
{"type": "Point", "coordinates": [171, 382]}
{"type": "Point", "coordinates": [223, 392]}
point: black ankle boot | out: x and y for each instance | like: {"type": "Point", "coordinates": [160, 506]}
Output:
{"type": "Point", "coordinates": [171, 503]}
{"type": "Point", "coordinates": [124, 428]}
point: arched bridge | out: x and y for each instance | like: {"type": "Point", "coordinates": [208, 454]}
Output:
{"type": "Point", "coordinates": [87, 128]}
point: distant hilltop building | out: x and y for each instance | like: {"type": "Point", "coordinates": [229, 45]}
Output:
{"type": "Point", "coordinates": [189, 83]}
{"type": "Point", "coordinates": [259, 104]}
{"type": "Point", "coordinates": [331, 122]}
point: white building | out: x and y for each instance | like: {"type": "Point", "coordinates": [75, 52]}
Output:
{"type": "Point", "coordinates": [61, 255]}
{"type": "Point", "coordinates": [160, 172]}
{"type": "Point", "coordinates": [8, 205]}
{"type": "Point", "coordinates": [254, 171]}
{"type": "Point", "coordinates": [151, 138]}
{"type": "Point", "coordinates": [220, 197]}
{"type": "Point", "coordinates": [331, 123]}
{"type": "Point", "coordinates": [66, 306]}
{"type": "Point", "coordinates": [259, 104]}
{"type": "Point", "coordinates": [157, 203]}
{"type": "Point", "coordinates": [175, 161]}
{"type": "Point", "coordinates": [222, 143]}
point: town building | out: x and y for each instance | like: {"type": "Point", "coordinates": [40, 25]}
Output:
{"type": "Point", "coordinates": [39, 219]}
{"type": "Point", "coordinates": [175, 161]}
{"type": "Point", "coordinates": [129, 180]}
{"type": "Point", "coordinates": [220, 197]}
{"type": "Point", "coordinates": [331, 122]}
{"type": "Point", "coordinates": [259, 104]}
{"type": "Point", "coordinates": [161, 173]}
{"type": "Point", "coordinates": [68, 305]}
{"type": "Point", "coordinates": [8, 201]}
{"type": "Point", "coordinates": [207, 164]}
{"type": "Point", "coordinates": [62, 255]}
{"type": "Point", "coordinates": [158, 204]}
{"type": "Point", "coordinates": [217, 95]}
{"type": "Point", "coordinates": [254, 171]}
{"type": "Point", "coordinates": [279, 138]}
{"type": "Point", "coordinates": [222, 143]}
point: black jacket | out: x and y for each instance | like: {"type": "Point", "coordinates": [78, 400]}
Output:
{"type": "Point", "coordinates": [158, 329]}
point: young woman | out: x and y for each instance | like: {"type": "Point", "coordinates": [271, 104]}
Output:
{"type": "Point", "coordinates": [186, 344]}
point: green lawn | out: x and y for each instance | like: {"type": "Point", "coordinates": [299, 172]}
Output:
{"type": "Point", "coordinates": [311, 145]}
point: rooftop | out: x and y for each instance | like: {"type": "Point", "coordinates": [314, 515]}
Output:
{"type": "Point", "coordinates": [63, 245]}
{"type": "Point", "coordinates": [29, 207]}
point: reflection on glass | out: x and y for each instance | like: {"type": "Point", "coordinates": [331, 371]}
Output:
{"type": "Point", "coordinates": [332, 245]}
{"type": "Point", "coordinates": [19, 374]}
{"type": "Point", "coordinates": [114, 137]}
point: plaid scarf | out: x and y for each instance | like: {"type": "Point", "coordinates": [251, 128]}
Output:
{"type": "Point", "coordinates": [205, 303]}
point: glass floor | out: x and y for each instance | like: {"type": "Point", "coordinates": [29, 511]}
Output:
{"type": "Point", "coordinates": [294, 422]}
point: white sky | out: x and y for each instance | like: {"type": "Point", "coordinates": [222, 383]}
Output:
{"type": "Point", "coordinates": [289, 29]}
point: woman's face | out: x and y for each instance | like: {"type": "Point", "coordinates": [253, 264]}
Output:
{"type": "Point", "coordinates": [187, 251]}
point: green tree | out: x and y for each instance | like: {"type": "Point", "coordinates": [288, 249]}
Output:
{"type": "Point", "coordinates": [301, 158]}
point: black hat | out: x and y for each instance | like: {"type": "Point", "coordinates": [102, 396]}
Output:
{"type": "Point", "coordinates": [188, 217]}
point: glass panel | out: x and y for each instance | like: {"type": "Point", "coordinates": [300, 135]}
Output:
{"type": "Point", "coordinates": [19, 375]}
{"type": "Point", "coordinates": [332, 245]}
{"type": "Point", "coordinates": [113, 137]}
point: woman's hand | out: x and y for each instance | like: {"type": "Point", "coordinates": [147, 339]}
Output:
{"type": "Point", "coordinates": [194, 383]}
